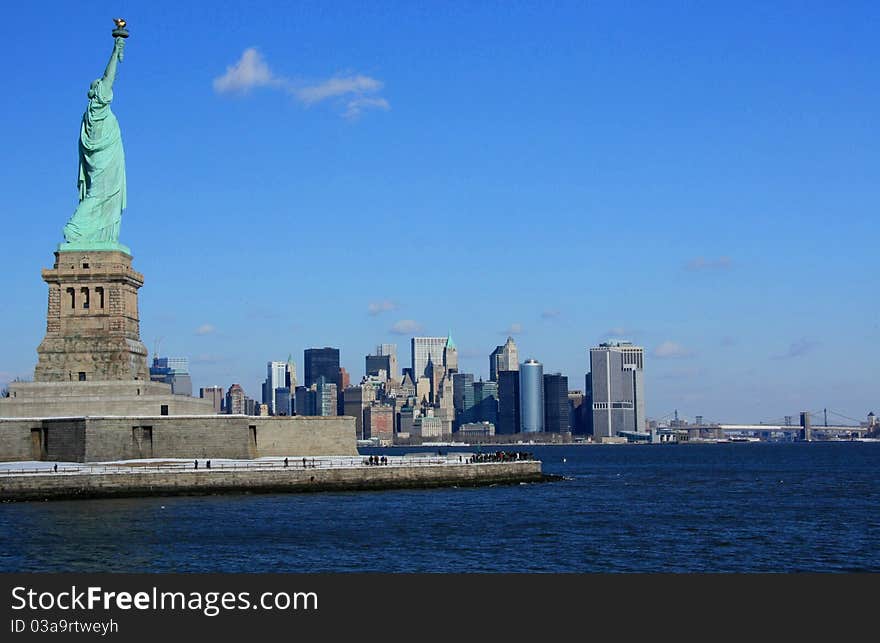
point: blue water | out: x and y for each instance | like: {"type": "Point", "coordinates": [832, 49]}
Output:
{"type": "Point", "coordinates": [687, 508]}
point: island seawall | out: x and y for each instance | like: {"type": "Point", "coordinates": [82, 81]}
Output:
{"type": "Point", "coordinates": [51, 486]}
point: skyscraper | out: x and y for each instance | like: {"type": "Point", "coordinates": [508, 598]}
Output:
{"type": "Point", "coordinates": [450, 355]}
{"type": "Point", "coordinates": [326, 398]}
{"type": "Point", "coordinates": [390, 351]}
{"type": "Point", "coordinates": [173, 371]}
{"type": "Point", "coordinates": [319, 362]}
{"type": "Point", "coordinates": [215, 394]}
{"type": "Point", "coordinates": [486, 402]}
{"type": "Point", "coordinates": [531, 395]}
{"type": "Point", "coordinates": [356, 399]}
{"type": "Point", "coordinates": [617, 388]}
{"type": "Point", "coordinates": [235, 400]}
{"type": "Point", "coordinates": [375, 363]}
{"type": "Point", "coordinates": [463, 398]}
{"type": "Point", "coordinates": [425, 349]}
{"type": "Point", "coordinates": [276, 377]}
{"type": "Point", "coordinates": [557, 414]}
{"type": "Point", "coordinates": [508, 403]}
{"type": "Point", "coordinates": [291, 382]}
{"type": "Point", "coordinates": [503, 358]}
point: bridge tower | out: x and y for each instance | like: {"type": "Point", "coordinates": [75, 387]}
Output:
{"type": "Point", "coordinates": [806, 432]}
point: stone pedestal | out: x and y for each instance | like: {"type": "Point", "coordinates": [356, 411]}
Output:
{"type": "Point", "coordinates": [92, 327]}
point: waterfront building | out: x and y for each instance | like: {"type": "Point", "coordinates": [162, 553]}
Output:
{"type": "Point", "coordinates": [215, 395]}
{"type": "Point", "coordinates": [235, 400]}
{"type": "Point", "coordinates": [379, 422]}
{"type": "Point", "coordinates": [576, 411]}
{"type": "Point", "coordinates": [356, 399]}
{"type": "Point", "coordinates": [426, 350]}
{"type": "Point", "coordinates": [557, 416]}
{"type": "Point", "coordinates": [617, 389]}
{"type": "Point", "coordinates": [531, 396]}
{"type": "Point", "coordinates": [476, 429]}
{"type": "Point", "coordinates": [508, 403]}
{"type": "Point", "coordinates": [428, 426]}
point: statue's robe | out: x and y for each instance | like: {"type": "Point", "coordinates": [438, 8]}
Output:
{"type": "Point", "coordinates": [101, 172]}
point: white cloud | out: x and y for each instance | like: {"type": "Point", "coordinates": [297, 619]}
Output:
{"type": "Point", "coordinates": [355, 107]}
{"type": "Point", "coordinates": [513, 329]}
{"type": "Point", "coordinates": [205, 329]}
{"type": "Point", "coordinates": [701, 263]}
{"type": "Point", "coordinates": [354, 93]}
{"type": "Point", "coordinates": [672, 350]}
{"type": "Point", "coordinates": [250, 71]}
{"type": "Point", "coordinates": [406, 327]}
{"type": "Point", "coordinates": [335, 87]}
{"type": "Point", "coordinates": [384, 306]}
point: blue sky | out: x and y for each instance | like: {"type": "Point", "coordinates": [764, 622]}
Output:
{"type": "Point", "coordinates": [700, 178]}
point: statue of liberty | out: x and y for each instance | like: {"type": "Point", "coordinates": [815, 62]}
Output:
{"type": "Point", "coordinates": [101, 181]}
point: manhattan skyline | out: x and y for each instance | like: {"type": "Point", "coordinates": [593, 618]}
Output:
{"type": "Point", "coordinates": [700, 181]}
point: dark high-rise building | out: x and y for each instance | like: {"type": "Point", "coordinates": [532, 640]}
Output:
{"type": "Point", "coordinates": [576, 412]}
{"type": "Point", "coordinates": [375, 363]}
{"type": "Point", "coordinates": [305, 401]}
{"type": "Point", "coordinates": [557, 416]}
{"type": "Point", "coordinates": [321, 362]}
{"type": "Point", "coordinates": [486, 402]}
{"type": "Point", "coordinates": [282, 401]}
{"type": "Point", "coordinates": [508, 403]}
{"type": "Point", "coordinates": [463, 398]}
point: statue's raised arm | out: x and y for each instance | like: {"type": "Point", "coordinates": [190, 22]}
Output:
{"type": "Point", "coordinates": [101, 177]}
{"type": "Point", "coordinates": [115, 57]}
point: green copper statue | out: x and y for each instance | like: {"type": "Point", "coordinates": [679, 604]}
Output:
{"type": "Point", "coordinates": [102, 198]}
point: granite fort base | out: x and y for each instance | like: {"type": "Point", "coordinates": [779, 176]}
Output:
{"type": "Point", "coordinates": [101, 439]}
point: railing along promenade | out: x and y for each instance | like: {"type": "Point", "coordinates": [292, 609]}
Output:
{"type": "Point", "coordinates": [227, 465]}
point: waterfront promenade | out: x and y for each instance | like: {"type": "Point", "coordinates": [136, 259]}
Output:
{"type": "Point", "coordinates": [48, 480]}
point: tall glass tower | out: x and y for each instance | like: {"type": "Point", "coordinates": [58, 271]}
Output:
{"type": "Point", "coordinates": [531, 396]}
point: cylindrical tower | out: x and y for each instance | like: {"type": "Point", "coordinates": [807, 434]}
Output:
{"type": "Point", "coordinates": [531, 395]}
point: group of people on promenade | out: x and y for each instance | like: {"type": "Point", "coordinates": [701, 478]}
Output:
{"type": "Point", "coordinates": [375, 460]}
{"type": "Point", "coordinates": [305, 462]}
{"type": "Point", "coordinates": [501, 456]}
